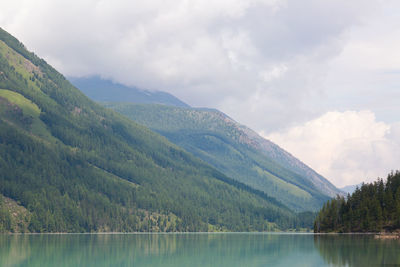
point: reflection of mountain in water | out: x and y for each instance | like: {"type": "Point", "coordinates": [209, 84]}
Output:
{"type": "Point", "coordinates": [176, 250]}
{"type": "Point", "coordinates": [357, 250]}
{"type": "Point", "coordinates": [159, 250]}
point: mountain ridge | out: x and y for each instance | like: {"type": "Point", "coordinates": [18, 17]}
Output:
{"type": "Point", "coordinates": [124, 94]}
{"type": "Point", "coordinates": [220, 141]}
{"type": "Point", "coordinates": [284, 157]}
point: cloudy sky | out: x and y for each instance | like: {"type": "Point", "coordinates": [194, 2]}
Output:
{"type": "Point", "coordinates": [319, 78]}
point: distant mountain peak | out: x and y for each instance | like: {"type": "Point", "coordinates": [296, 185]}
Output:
{"type": "Point", "coordinates": [99, 90]}
{"type": "Point", "coordinates": [350, 188]}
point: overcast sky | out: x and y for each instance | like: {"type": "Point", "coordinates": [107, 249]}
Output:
{"type": "Point", "coordinates": [319, 78]}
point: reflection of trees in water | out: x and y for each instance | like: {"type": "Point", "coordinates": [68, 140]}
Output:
{"type": "Point", "coordinates": [151, 249]}
{"type": "Point", "coordinates": [357, 250]}
{"type": "Point", "coordinates": [13, 253]}
{"type": "Point", "coordinates": [196, 250]}
{"type": "Point", "coordinates": [80, 250]}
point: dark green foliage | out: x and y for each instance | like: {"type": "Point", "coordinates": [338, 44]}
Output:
{"type": "Point", "coordinates": [86, 168]}
{"type": "Point", "coordinates": [5, 218]}
{"type": "Point", "coordinates": [372, 208]}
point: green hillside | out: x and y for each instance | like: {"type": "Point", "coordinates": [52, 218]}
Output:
{"type": "Point", "coordinates": [72, 165]}
{"type": "Point", "coordinates": [226, 145]}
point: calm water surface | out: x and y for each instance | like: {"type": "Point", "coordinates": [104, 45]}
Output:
{"type": "Point", "coordinates": [235, 249]}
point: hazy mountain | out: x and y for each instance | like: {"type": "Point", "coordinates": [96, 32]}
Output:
{"type": "Point", "coordinates": [237, 151]}
{"type": "Point", "coordinates": [350, 188]}
{"type": "Point", "coordinates": [67, 164]}
{"type": "Point", "coordinates": [99, 90]}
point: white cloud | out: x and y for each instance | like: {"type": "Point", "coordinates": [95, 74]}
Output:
{"type": "Point", "coordinates": [274, 73]}
{"type": "Point", "coordinates": [346, 147]}
{"type": "Point", "coordinates": [220, 53]}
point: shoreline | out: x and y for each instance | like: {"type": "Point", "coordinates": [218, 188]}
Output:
{"type": "Point", "coordinates": [383, 235]}
{"type": "Point", "coordinates": [376, 235]}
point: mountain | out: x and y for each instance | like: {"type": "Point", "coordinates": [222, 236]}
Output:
{"type": "Point", "coordinates": [99, 90]}
{"type": "Point", "coordinates": [350, 188]}
{"type": "Point", "coordinates": [285, 159]}
{"type": "Point", "coordinates": [236, 151]}
{"type": "Point", "coordinates": [68, 164]}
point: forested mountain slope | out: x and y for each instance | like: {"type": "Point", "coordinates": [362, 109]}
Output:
{"type": "Point", "coordinates": [75, 166]}
{"type": "Point", "coordinates": [236, 151]}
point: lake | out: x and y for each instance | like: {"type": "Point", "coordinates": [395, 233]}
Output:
{"type": "Point", "coordinates": [220, 249]}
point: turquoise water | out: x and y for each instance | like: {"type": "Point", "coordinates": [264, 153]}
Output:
{"type": "Point", "coordinates": [231, 249]}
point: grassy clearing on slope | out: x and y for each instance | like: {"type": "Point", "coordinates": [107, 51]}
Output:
{"type": "Point", "coordinates": [114, 177]}
{"type": "Point", "coordinates": [23, 66]}
{"type": "Point", "coordinates": [29, 109]}
{"type": "Point", "coordinates": [283, 185]}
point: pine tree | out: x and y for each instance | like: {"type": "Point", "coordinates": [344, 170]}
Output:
{"type": "Point", "coordinates": [372, 208]}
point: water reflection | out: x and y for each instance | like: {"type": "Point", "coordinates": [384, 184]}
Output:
{"type": "Point", "coordinates": [358, 250]}
{"type": "Point", "coordinates": [231, 250]}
